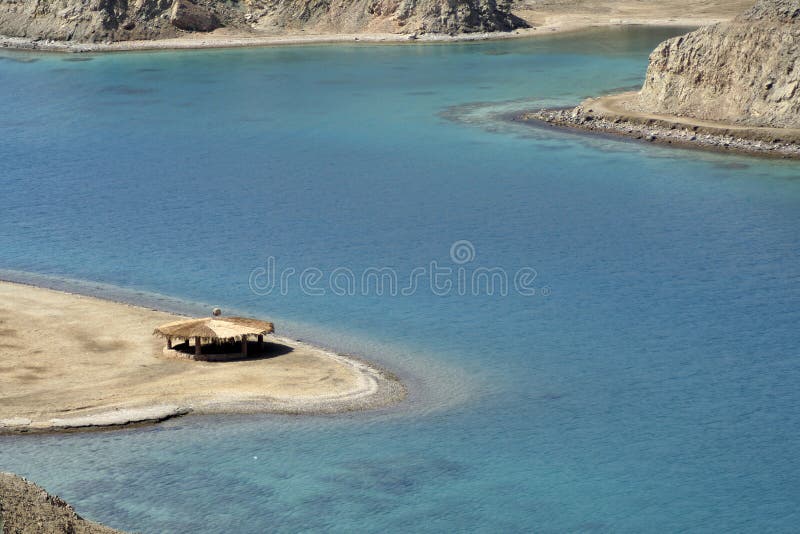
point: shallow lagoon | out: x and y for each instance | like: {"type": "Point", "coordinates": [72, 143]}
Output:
{"type": "Point", "coordinates": [648, 385]}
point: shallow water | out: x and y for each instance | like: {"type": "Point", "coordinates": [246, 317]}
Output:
{"type": "Point", "coordinates": [649, 384]}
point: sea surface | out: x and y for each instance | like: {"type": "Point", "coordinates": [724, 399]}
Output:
{"type": "Point", "coordinates": [637, 372]}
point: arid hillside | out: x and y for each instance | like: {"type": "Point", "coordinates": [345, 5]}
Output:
{"type": "Point", "coordinates": [120, 20]}
{"type": "Point", "coordinates": [746, 71]}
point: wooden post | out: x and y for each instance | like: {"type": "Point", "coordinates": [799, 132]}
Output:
{"type": "Point", "coordinates": [197, 346]}
{"type": "Point", "coordinates": [244, 346]}
{"type": "Point", "coordinates": [169, 342]}
{"type": "Point", "coordinates": [260, 343]}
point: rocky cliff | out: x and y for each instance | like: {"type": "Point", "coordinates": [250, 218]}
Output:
{"type": "Point", "coordinates": [119, 20]}
{"type": "Point", "coordinates": [393, 16]}
{"type": "Point", "coordinates": [746, 71]}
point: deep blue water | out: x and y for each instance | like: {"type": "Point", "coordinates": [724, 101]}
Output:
{"type": "Point", "coordinates": [649, 385]}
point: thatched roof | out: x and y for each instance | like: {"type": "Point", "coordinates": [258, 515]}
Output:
{"type": "Point", "coordinates": [210, 328]}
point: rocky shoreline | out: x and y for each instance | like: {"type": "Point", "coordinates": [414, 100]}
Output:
{"type": "Point", "coordinates": [663, 131]}
{"type": "Point", "coordinates": [730, 86]}
{"type": "Point", "coordinates": [195, 41]}
{"type": "Point", "coordinates": [26, 507]}
{"type": "Point", "coordinates": [92, 26]}
{"type": "Point", "coordinates": [94, 21]}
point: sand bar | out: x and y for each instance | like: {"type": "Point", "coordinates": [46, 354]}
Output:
{"type": "Point", "coordinates": [71, 362]}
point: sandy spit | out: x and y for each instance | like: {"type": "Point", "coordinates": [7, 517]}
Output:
{"type": "Point", "coordinates": [70, 362]}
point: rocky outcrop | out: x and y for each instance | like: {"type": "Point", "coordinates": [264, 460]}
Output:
{"type": "Point", "coordinates": [86, 20]}
{"type": "Point", "coordinates": [730, 86]}
{"type": "Point", "coordinates": [121, 20]}
{"type": "Point", "coordinates": [392, 16]}
{"type": "Point", "coordinates": [746, 71]}
{"type": "Point", "coordinates": [27, 508]}
{"type": "Point", "coordinates": [192, 17]}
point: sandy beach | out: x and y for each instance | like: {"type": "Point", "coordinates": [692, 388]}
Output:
{"type": "Point", "coordinates": [558, 16]}
{"type": "Point", "coordinates": [547, 17]}
{"type": "Point", "coordinates": [71, 362]}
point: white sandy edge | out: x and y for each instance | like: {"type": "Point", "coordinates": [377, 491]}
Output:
{"type": "Point", "coordinates": [375, 388]}
{"type": "Point", "coordinates": [215, 40]}
{"type": "Point", "coordinates": [372, 388]}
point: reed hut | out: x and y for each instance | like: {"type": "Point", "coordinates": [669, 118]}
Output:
{"type": "Point", "coordinates": [215, 331]}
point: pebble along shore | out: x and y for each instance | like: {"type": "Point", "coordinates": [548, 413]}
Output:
{"type": "Point", "coordinates": [660, 131]}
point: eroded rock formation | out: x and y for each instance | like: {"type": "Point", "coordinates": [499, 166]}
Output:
{"type": "Point", "coordinates": [394, 16]}
{"type": "Point", "coordinates": [186, 15]}
{"type": "Point", "coordinates": [120, 20]}
{"type": "Point", "coordinates": [746, 71]}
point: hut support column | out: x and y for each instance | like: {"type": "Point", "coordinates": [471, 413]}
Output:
{"type": "Point", "coordinates": [260, 343]}
{"type": "Point", "coordinates": [169, 342]}
{"type": "Point", "coordinates": [244, 345]}
{"type": "Point", "coordinates": [197, 346]}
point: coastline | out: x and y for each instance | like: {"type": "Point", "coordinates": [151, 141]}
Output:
{"type": "Point", "coordinates": [24, 504]}
{"type": "Point", "coordinates": [221, 39]}
{"type": "Point", "coordinates": [132, 383]}
{"type": "Point", "coordinates": [609, 115]}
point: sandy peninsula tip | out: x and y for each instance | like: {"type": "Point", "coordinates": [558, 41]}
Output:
{"type": "Point", "coordinates": [72, 362]}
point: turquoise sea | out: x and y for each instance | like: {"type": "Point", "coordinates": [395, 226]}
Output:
{"type": "Point", "coordinates": [650, 383]}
